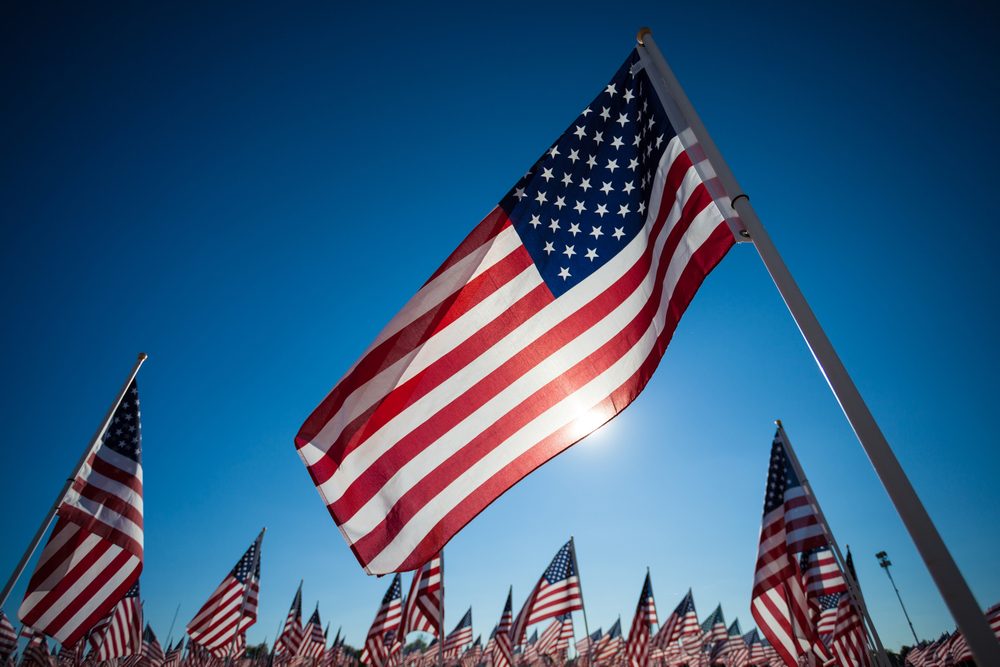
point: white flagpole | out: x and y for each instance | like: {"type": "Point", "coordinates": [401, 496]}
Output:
{"type": "Point", "coordinates": [47, 521]}
{"type": "Point", "coordinates": [950, 582]}
{"type": "Point", "coordinates": [835, 547]}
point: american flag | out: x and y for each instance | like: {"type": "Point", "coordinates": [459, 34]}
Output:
{"type": "Point", "coordinates": [120, 634]}
{"type": "Point", "coordinates": [549, 638]}
{"type": "Point", "coordinates": [232, 607]}
{"type": "Point", "coordinates": [529, 650]}
{"type": "Point", "coordinates": [173, 656]}
{"type": "Point", "coordinates": [474, 654]}
{"type": "Point", "coordinates": [790, 526]}
{"type": "Point", "coordinates": [557, 592]}
{"type": "Point", "coordinates": [610, 645]}
{"type": "Point", "coordinates": [849, 643]}
{"type": "Point", "coordinates": [291, 635]}
{"type": "Point", "coordinates": [8, 638]}
{"type": "Point", "coordinates": [637, 651]}
{"type": "Point", "coordinates": [424, 609]}
{"type": "Point", "coordinates": [313, 640]}
{"type": "Point", "coordinates": [682, 622]}
{"type": "Point", "coordinates": [152, 652]}
{"type": "Point", "coordinates": [94, 554]}
{"type": "Point", "coordinates": [714, 627]}
{"type": "Point", "coordinates": [585, 646]}
{"type": "Point", "coordinates": [993, 616]}
{"type": "Point", "coordinates": [382, 641]}
{"type": "Point", "coordinates": [735, 652]}
{"type": "Point", "coordinates": [460, 636]}
{"type": "Point", "coordinates": [820, 572]}
{"type": "Point", "coordinates": [755, 648]}
{"type": "Point", "coordinates": [503, 651]}
{"type": "Point", "coordinates": [546, 322]}
{"type": "Point", "coordinates": [36, 652]}
{"type": "Point", "coordinates": [71, 654]}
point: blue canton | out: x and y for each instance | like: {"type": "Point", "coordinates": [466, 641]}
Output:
{"type": "Point", "coordinates": [561, 567]}
{"type": "Point", "coordinates": [586, 198]}
{"type": "Point", "coordinates": [123, 434]}
{"type": "Point", "coordinates": [780, 477]}
{"type": "Point", "coordinates": [395, 591]}
{"type": "Point", "coordinates": [246, 564]}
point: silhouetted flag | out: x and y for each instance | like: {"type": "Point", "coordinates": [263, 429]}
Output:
{"type": "Point", "coordinates": [637, 651]}
{"type": "Point", "coordinates": [232, 607]}
{"type": "Point", "coordinates": [557, 592]}
{"type": "Point", "coordinates": [382, 641]}
{"type": "Point", "coordinates": [424, 609]}
{"type": "Point", "coordinates": [790, 526]}
{"type": "Point", "coordinates": [545, 322]}
{"type": "Point", "coordinates": [94, 554]}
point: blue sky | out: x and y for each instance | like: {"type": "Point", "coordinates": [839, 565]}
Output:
{"type": "Point", "coordinates": [248, 193]}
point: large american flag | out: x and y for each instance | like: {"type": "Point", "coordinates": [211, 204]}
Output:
{"type": "Point", "coordinates": [503, 649]}
{"type": "Point", "coordinates": [291, 635]}
{"type": "Point", "coordinates": [546, 322]}
{"type": "Point", "coordinates": [232, 607]}
{"type": "Point", "coordinates": [120, 634]}
{"type": "Point", "coordinates": [790, 526]}
{"type": "Point", "coordinates": [382, 641]}
{"type": "Point", "coordinates": [94, 553]}
{"type": "Point", "coordinates": [424, 608]}
{"type": "Point", "coordinates": [557, 592]}
{"type": "Point", "coordinates": [637, 648]}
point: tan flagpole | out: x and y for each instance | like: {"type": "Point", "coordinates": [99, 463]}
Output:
{"type": "Point", "coordinates": [47, 521]}
{"type": "Point", "coordinates": [942, 567]}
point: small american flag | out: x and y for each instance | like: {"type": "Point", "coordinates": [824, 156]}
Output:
{"type": "Point", "coordinates": [585, 646]}
{"type": "Point", "coordinates": [993, 616]}
{"type": "Point", "coordinates": [36, 653]}
{"type": "Point", "coordinates": [714, 627]}
{"type": "Point", "coordinates": [682, 622]}
{"type": "Point", "coordinates": [8, 638]}
{"type": "Point", "coordinates": [291, 635]}
{"type": "Point", "coordinates": [424, 609]}
{"type": "Point", "coordinates": [313, 640]}
{"type": "Point", "coordinates": [557, 592]}
{"type": "Point", "coordinates": [152, 652]}
{"type": "Point", "coordinates": [790, 526]}
{"type": "Point", "coordinates": [503, 650]}
{"type": "Point", "coordinates": [232, 607]}
{"type": "Point", "coordinates": [459, 637]}
{"type": "Point", "coordinates": [382, 642]}
{"type": "Point", "coordinates": [637, 651]}
{"type": "Point", "coordinates": [94, 554]}
{"type": "Point", "coordinates": [550, 636]}
{"type": "Point", "coordinates": [545, 323]}
{"type": "Point", "coordinates": [849, 643]}
{"type": "Point", "coordinates": [173, 656]}
{"type": "Point", "coordinates": [120, 635]}
{"type": "Point", "coordinates": [610, 645]}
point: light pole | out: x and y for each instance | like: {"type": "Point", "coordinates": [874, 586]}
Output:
{"type": "Point", "coordinates": [884, 563]}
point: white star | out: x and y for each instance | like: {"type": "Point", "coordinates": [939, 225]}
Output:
{"type": "Point", "coordinates": [586, 112]}
{"type": "Point", "coordinates": [632, 164]}
{"type": "Point", "coordinates": [585, 184]}
{"type": "Point", "coordinates": [540, 197]}
{"type": "Point", "coordinates": [564, 273]}
{"type": "Point", "coordinates": [628, 95]}
{"type": "Point", "coordinates": [567, 180]}
{"type": "Point", "coordinates": [519, 193]}
{"type": "Point", "coordinates": [579, 208]}
{"type": "Point", "coordinates": [591, 162]}
{"type": "Point", "coordinates": [591, 254]}
{"type": "Point", "coordinates": [605, 113]}
{"type": "Point", "coordinates": [622, 119]}
{"type": "Point", "coordinates": [549, 248]}
{"type": "Point", "coordinates": [596, 232]}
{"type": "Point", "coordinates": [642, 207]}
{"type": "Point", "coordinates": [606, 188]}
{"type": "Point", "coordinates": [554, 151]}
{"type": "Point", "coordinates": [580, 131]}
{"type": "Point", "coordinates": [629, 187]}
{"type": "Point", "coordinates": [535, 221]}
{"type": "Point", "coordinates": [659, 140]}
{"type": "Point", "coordinates": [645, 105]}
{"type": "Point", "coordinates": [612, 165]}
{"type": "Point", "coordinates": [649, 125]}
{"type": "Point", "coordinates": [636, 140]}
{"type": "Point", "coordinates": [601, 209]}
{"type": "Point", "coordinates": [560, 202]}
{"type": "Point", "coordinates": [617, 143]}
{"type": "Point", "coordinates": [569, 252]}
{"type": "Point", "coordinates": [619, 233]}
{"type": "Point", "coordinates": [554, 225]}
{"type": "Point", "coordinates": [574, 229]}
{"type": "Point", "coordinates": [599, 137]}
{"type": "Point", "coordinates": [611, 90]}
{"type": "Point", "coordinates": [574, 156]}
{"type": "Point", "coordinates": [547, 175]}
{"type": "Point", "coordinates": [623, 210]}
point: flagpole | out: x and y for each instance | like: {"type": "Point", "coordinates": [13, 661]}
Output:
{"type": "Point", "coordinates": [441, 620]}
{"type": "Point", "coordinates": [246, 594]}
{"type": "Point", "coordinates": [942, 567]}
{"type": "Point", "coordinates": [583, 605]}
{"type": "Point", "coordinates": [47, 521]}
{"type": "Point", "coordinates": [848, 577]}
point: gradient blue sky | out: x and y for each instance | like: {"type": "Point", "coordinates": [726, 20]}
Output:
{"type": "Point", "coordinates": [249, 192]}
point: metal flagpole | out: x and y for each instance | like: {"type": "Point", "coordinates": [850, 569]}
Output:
{"type": "Point", "coordinates": [170, 632]}
{"type": "Point", "coordinates": [441, 621]}
{"type": "Point", "coordinates": [47, 521]}
{"type": "Point", "coordinates": [579, 580]}
{"type": "Point", "coordinates": [952, 586]}
{"type": "Point", "coordinates": [835, 547]}
{"type": "Point", "coordinates": [246, 594]}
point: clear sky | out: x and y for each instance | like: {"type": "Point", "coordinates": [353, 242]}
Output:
{"type": "Point", "coordinates": [248, 193]}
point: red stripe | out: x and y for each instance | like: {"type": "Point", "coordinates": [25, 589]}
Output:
{"type": "Point", "coordinates": [528, 410]}
{"type": "Point", "coordinates": [90, 525]}
{"type": "Point", "coordinates": [706, 258]}
{"type": "Point", "coordinates": [113, 472]}
{"type": "Point", "coordinates": [403, 341]}
{"type": "Point", "coordinates": [109, 500]}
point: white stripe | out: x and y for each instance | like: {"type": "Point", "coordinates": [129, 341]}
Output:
{"type": "Point", "coordinates": [358, 461]}
{"type": "Point", "coordinates": [551, 420]}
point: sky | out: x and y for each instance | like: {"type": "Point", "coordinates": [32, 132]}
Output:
{"type": "Point", "coordinates": [249, 192]}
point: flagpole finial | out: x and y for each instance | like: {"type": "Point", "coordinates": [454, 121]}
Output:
{"type": "Point", "coordinates": [143, 356]}
{"type": "Point", "coordinates": [643, 31]}
{"type": "Point", "coordinates": [777, 422]}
